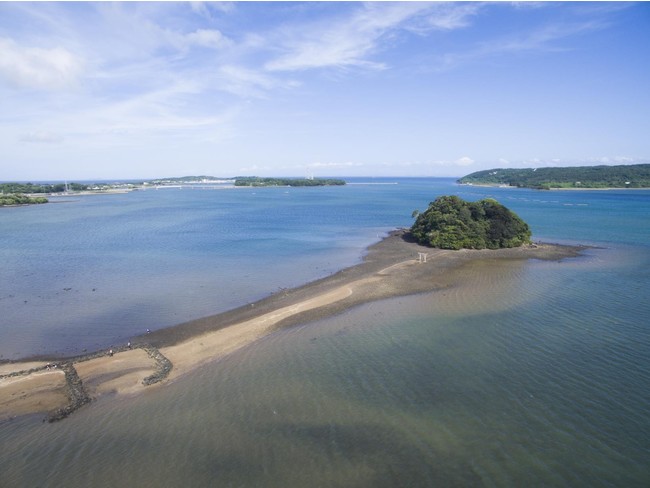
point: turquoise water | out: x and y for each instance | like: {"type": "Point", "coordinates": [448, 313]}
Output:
{"type": "Point", "coordinates": [535, 374]}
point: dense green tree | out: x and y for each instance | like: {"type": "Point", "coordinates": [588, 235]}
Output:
{"type": "Point", "coordinates": [257, 181]}
{"type": "Point", "coordinates": [621, 176]}
{"type": "Point", "coordinates": [40, 188]}
{"type": "Point", "coordinates": [452, 223]}
{"type": "Point", "coordinates": [16, 199]}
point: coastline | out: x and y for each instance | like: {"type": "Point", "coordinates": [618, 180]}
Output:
{"type": "Point", "coordinates": [390, 268]}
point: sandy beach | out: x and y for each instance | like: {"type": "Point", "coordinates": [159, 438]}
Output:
{"type": "Point", "coordinates": [392, 267]}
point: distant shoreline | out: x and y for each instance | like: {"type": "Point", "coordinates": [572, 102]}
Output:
{"type": "Point", "coordinates": [392, 267]}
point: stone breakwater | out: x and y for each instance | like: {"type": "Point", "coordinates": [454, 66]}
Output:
{"type": "Point", "coordinates": [76, 392]}
{"type": "Point", "coordinates": [163, 366]}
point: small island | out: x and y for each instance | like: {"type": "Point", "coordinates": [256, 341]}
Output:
{"type": "Point", "coordinates": [453, 223]}
{"type": "Point", "coordinates": [257, 181]}
{"type": "Point", "coordinates": [579, 177]}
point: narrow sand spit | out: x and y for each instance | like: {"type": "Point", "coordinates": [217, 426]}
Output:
{"type": "Point", "coordinates": [391, 267]}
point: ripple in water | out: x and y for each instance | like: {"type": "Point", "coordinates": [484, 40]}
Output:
{"type": "Point", "coordinates": [522, 377]}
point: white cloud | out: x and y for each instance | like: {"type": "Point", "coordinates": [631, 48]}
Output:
{"type": "Point", "coordinates": [346, 164]}
{"type": "Point", "coordinates": [450, 16]}
{"type": "Point", "coordinates": [351, 40]}
{"type": "Point", "coordinates": [160, 78]}
{"type": "Point", "coordinates": [35, 67]}
{"type": "Point", "coordinates": [204, 8]}
{"type": "Point", "coordinates": [208, 38]}
{"type": "Point", "coordinates": [464, 161]}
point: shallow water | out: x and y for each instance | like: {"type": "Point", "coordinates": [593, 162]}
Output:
{"type": "Point", "coordinates": [535, 373]}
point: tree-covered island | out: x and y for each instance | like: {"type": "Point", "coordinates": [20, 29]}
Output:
{"type": "Point", "coordinates": [453, 223]}
{"type": "Point", "coordinates": [621, 176]}
{"type": "Point", "coordinates": [257, 181]}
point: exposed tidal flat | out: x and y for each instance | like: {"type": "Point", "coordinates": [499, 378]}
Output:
{"type": "Point", "coordinates": [534, 373]}
{"type": "Point", "coordinates": [389, 269]}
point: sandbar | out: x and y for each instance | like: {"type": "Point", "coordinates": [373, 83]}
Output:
{"type": "Point", "coordinates": [395, 266]}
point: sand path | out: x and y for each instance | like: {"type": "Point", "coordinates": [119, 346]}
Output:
{"type": "Point", "coordinates": [391, 268]}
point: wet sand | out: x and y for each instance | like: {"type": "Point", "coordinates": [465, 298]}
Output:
{"type": "Point", "coordinates": [390, 268]}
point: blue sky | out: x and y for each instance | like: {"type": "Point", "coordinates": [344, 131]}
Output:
{"type": "Point", "coordinates": [144, 90]}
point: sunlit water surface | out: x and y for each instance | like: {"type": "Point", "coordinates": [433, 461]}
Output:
{"type": "Point", "coordinates": [532, 374]}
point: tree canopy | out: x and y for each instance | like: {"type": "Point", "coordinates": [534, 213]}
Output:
{"type": "Point", "coordinates": [40, 188]}
{"type": "Point", "coordinates": [257, 181]}
{"type": "Point", "coordinates": [453, 223]}
{"type": "Point", "coordinates": [621, 176]}
{"type": "Point", "coordinates": [17, 199]}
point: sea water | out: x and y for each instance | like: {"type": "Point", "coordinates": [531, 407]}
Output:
{"type": "Point", "coordinates": [88, 272]}
{"type": "Point", "coordinates": [537, 375]}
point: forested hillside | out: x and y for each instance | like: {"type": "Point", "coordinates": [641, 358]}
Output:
{"type": "Point", "coordinates": [453, 223]}
{"type": "Point", "coordinates": [622, 176]}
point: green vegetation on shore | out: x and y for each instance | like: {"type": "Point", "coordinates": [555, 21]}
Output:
{"type": "Point", "coordinates": [64, 188]}
{"type": "Point", "coordinates": [257, 181]}
{"type": "Point", "coordinates": [622, 176]}
{"type": "Point", "coordinates": [453, 223]}
{"type": "Point", "coordinates": [41, 188]}
{"type": "Point", "coordinates": [17, 199]}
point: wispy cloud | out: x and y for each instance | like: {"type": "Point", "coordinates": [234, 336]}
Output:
{"type": "Point", "coordinates": [35, 67]}
{"type": "Point", "coordinates": [352, 40]}
{"type": "Point", "coordinates": [206, 9]}
{"type": "Point", "coordinates": [167, 77]}
{"type": "Point", "coordinates": [464, 161]}
{"type": "Point", "coordinates": [446, 17]}
{"type": "Point", "coordinates": [248, 83]}
{"type": "Point", "coordinates": [334, 165]}
{"type": "Point", "coordinates": [541, 39]}
{"type": "Point", "coordinates": [208, 38]}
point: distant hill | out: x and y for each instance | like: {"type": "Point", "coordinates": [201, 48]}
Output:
{"type": "Point", "coordinates": [623, 176]}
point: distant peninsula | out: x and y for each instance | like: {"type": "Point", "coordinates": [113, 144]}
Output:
{"type": "Point", "coordinates": [594, 177]}
{"type": "Point", "coordinates": [21, 193]}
